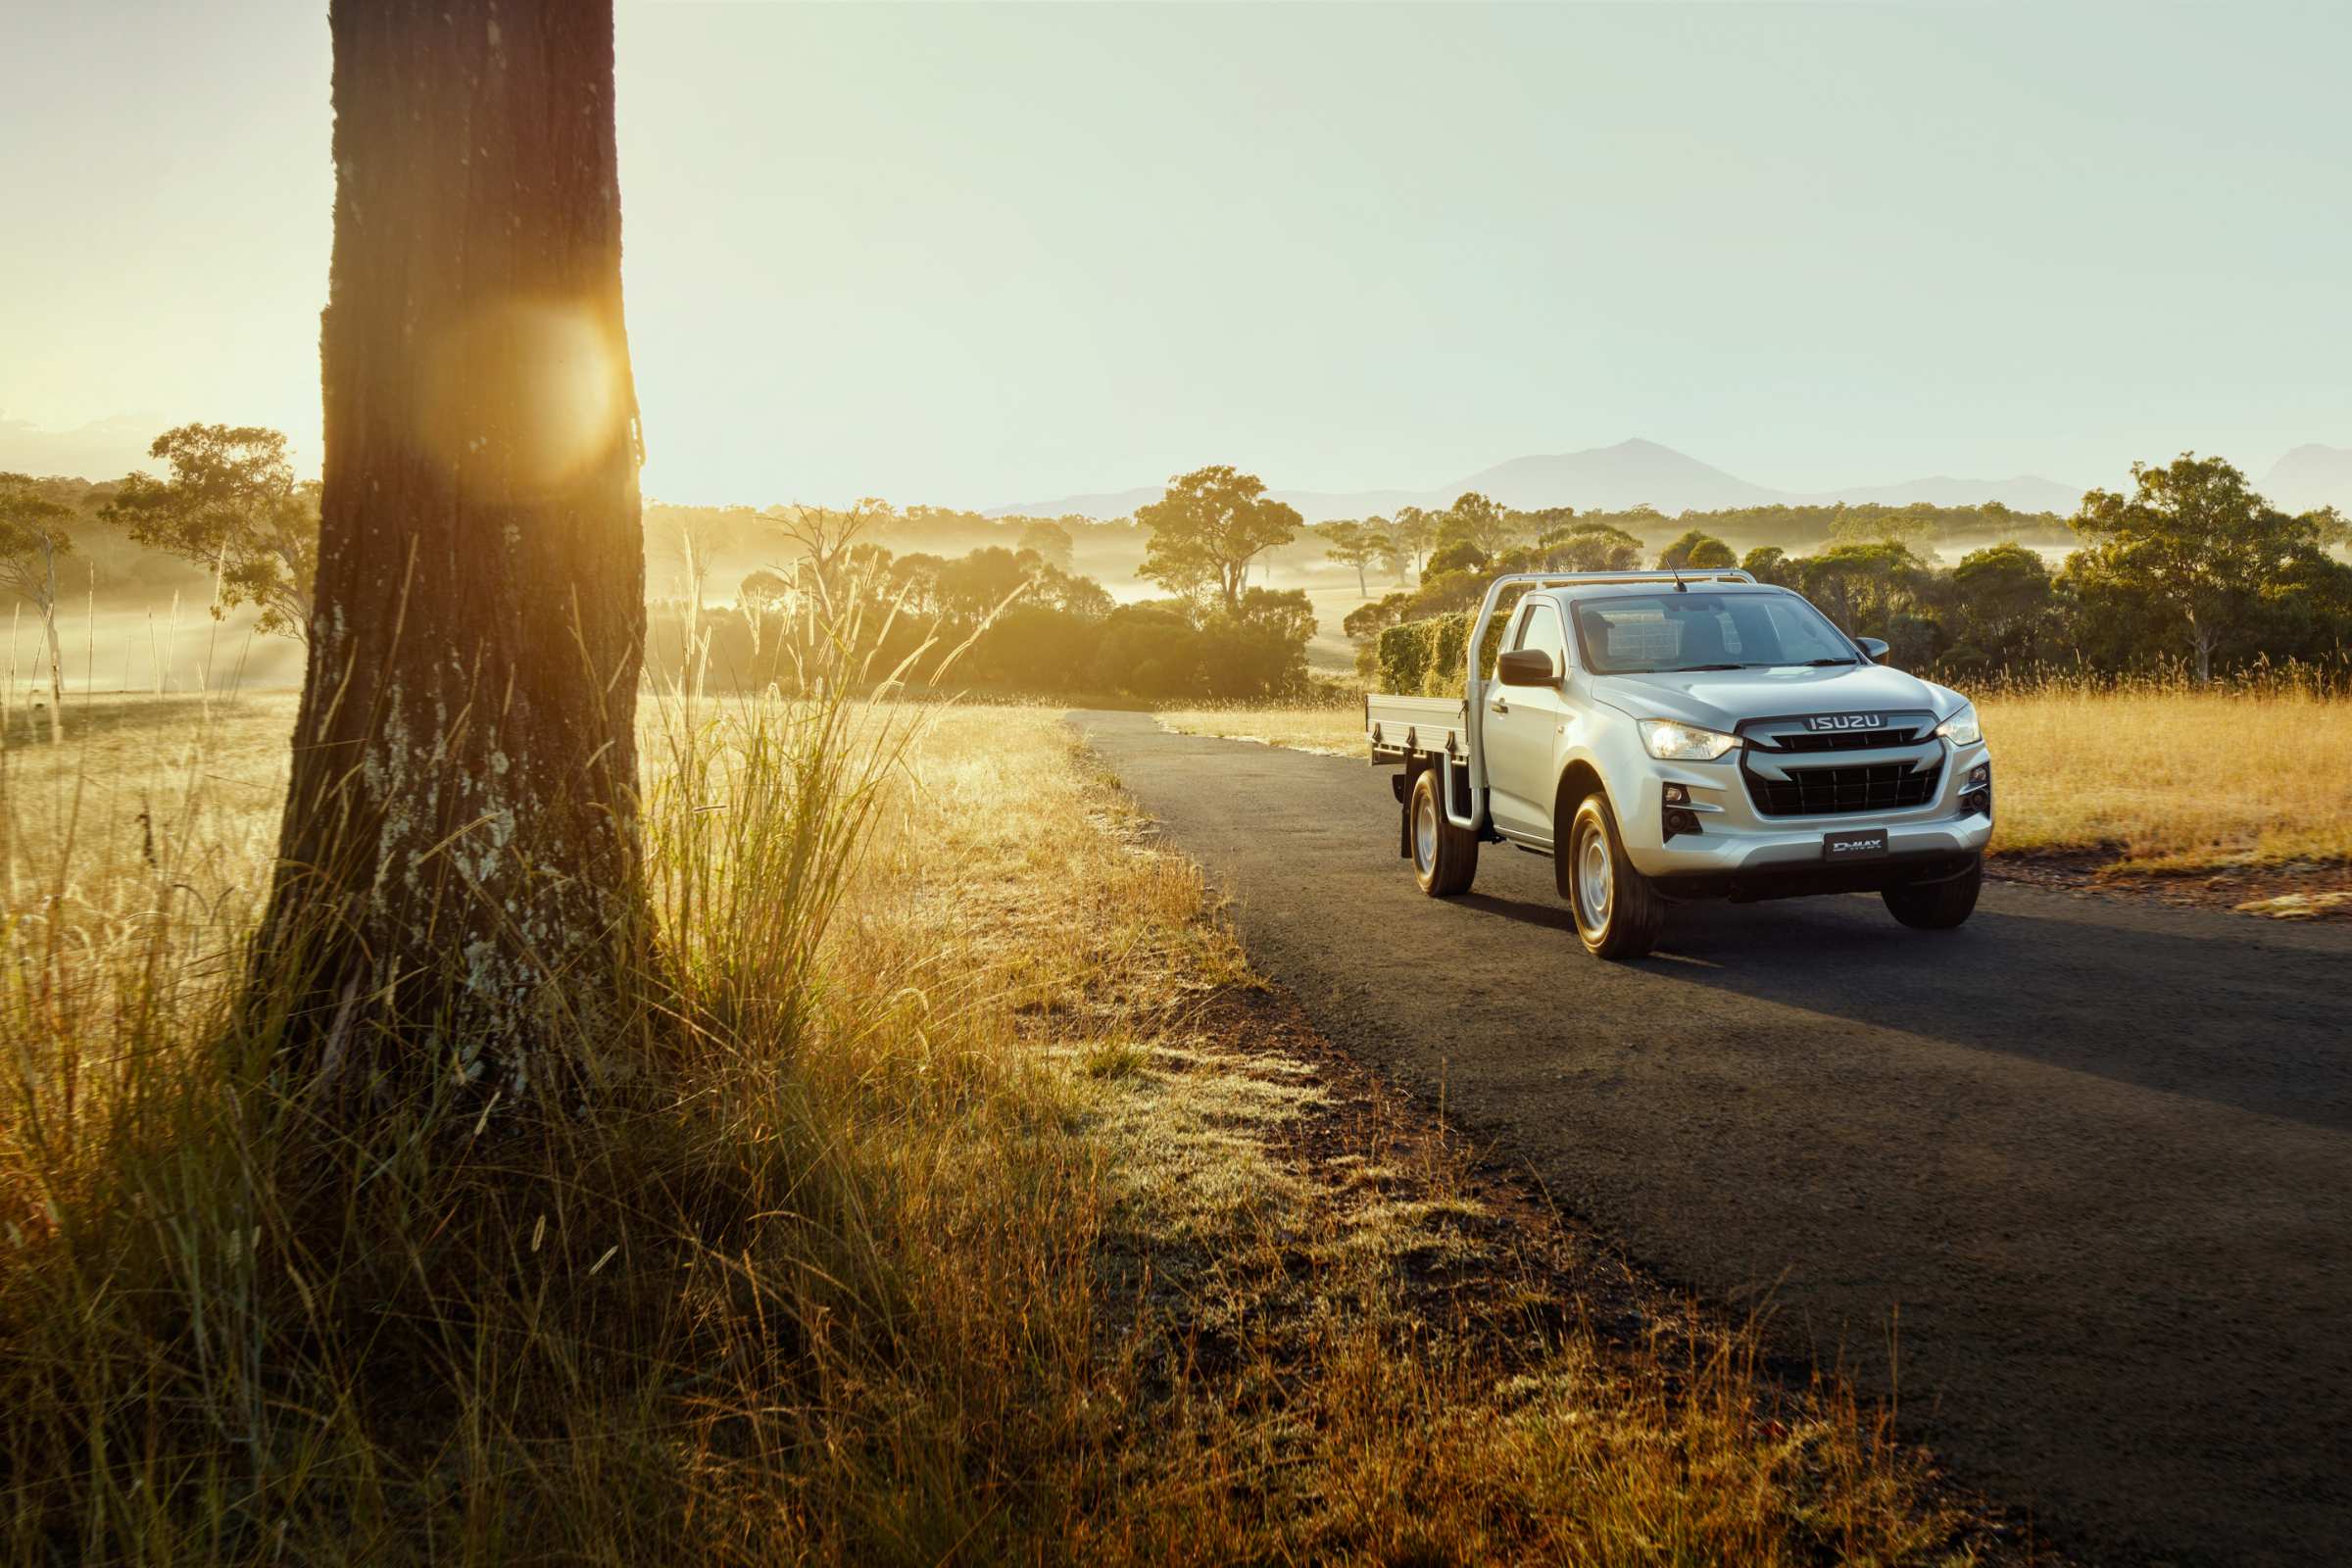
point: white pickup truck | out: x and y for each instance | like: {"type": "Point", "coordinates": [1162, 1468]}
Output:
{"type": "Point", "coordinates": [1678, 735]}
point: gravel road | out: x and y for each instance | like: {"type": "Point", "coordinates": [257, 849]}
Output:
{"type": "Point", "coordinates": [2097, 1157]}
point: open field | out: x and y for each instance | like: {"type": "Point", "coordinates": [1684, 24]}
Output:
{"type": "Point", "coordinates": [985, 1213]}
{"type": "Point", "coordinates": [2164, 778]}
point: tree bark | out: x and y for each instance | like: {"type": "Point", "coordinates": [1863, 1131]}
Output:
{"type": "Point", "coordinates": [460, 889]}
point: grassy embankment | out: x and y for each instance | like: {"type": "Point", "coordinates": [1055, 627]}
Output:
{"type": "Point", "coordinates": [968, 1222]}
{"type": "Point", "coordinates": [2156, 777]}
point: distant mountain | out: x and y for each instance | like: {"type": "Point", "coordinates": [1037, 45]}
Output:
{"type": "Point", "coordinates": [104, 449]}
{"type": "Point", "coordinates": [1609, 479]}
{"type": "Point", "coordinates": [2310, 476]}
{"type": "Point", "coordinates": [1612, 478]}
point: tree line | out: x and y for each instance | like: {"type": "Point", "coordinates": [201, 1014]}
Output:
{"type": "Point", "coordinates": [2190, 567]}
{"type": "Point", "coordinates": [2187, 566]}
{"type": "Point", "coordinates": [1017, 618]}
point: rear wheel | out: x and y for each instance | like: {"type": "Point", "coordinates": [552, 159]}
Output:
{"type": "Point", "coordinates": [1938, 905]}
{"type": "Point", "coordinates": [1619, 911]}
{"type": "Point", "coordinates": [1445, 857]}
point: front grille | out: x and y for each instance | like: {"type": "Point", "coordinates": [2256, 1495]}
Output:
{"type": "Point", "coordinates": [1851, 740]}
{"type": "Point", "coordinates": [1831, 791]}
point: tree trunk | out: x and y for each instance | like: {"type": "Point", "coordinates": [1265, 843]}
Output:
{"type": "Point", "coordinates": [57, 656]}
{"type": "Point", "coordinates": [460, 887]}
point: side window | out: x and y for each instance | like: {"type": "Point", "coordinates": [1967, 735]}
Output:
{"type": "Point", "coordinates": [1542, 632]}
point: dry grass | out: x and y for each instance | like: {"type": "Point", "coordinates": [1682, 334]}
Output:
{"type": "Point", "coordinates": [2158, 777]}
{"type": "Point", "coordinates": [2173, 780]}
{"type": "Point", "coordinates": [960, 1231]}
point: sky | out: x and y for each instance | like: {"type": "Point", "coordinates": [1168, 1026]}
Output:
{"type": "Point", "coordinates": [975, 255]}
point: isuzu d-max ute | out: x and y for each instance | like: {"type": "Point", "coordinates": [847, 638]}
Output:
{"type": "Point", "coordinates": [1682, 735]}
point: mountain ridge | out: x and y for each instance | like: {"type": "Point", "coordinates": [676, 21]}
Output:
{"type": "Point", "coordinates": [1609, 478]}
{"type": "Point", "coordinates": [2310, 475]}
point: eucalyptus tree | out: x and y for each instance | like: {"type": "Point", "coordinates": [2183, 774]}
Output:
{"type": "Point", "coordinates": [232, 506]}
{"type": "Point", "coordinates": [459, 893]}
{"type": "Point", "coordinates": [33, 535]}
{"type": "Point", "coordinates": [1208, 529]}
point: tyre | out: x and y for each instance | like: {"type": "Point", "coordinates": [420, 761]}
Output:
{"type": "Point", "coordinates": [1938, 905]}
{"type": "Point", "coordinates": [1445, 857]}
{"type": "Point", "coordinates": [1619, 911]}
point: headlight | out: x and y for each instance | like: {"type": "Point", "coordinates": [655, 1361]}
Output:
{"type": "Point", "coordinates": [1961, 729]}
{"type": "Point", "coordinates": [1670, 742]}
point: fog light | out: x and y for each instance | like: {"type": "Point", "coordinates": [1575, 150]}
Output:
{"type": "Point", "coordinates": [1678, 820]}
{"type": "Point", "coordinates": [1678, 795]}
{"type": "Point", "coordinates": [1976, 799]}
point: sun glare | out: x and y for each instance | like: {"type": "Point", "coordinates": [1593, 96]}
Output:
{"type": "Point", "coordinates": [526, 395]}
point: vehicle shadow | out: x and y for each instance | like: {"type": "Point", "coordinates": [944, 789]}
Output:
{"type": "Point", "coordinates": [2225, 1016]}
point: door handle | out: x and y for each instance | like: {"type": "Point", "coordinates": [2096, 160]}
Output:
{"type": "Point", "coordinates": [1495, 705]}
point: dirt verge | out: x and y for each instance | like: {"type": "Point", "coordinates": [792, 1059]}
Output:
{"type": "Point", "coordinates": [1501, 1272]}
{"type": "Point", "coordinates": [2294, 891]}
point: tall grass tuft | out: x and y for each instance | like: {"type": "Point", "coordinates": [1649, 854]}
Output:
{"type": "Point", "coordinates": [230, 1331]}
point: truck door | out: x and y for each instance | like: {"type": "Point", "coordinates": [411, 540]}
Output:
{"type": "Point", "coordinates": [1522, 726]}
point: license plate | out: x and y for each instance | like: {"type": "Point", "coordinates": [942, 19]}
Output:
{"type": "Point", "coordinates": [1861, 844]}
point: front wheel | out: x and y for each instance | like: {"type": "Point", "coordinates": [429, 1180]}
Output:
{"type": "Point", "coordinates": [1445, 857]}
{"type": "Point", "coordinates": [1938, 905]}
{"type": "Point", "coordinates": [1619, 911]}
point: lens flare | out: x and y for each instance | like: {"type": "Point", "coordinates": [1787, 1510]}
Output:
{"type": "Point", "coordinates": [524, 398]}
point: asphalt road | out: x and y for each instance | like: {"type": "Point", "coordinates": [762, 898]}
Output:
{"type": "Point", "coordinates": [2098, 1156]}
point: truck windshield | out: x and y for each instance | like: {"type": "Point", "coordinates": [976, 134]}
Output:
{"type": "Point", "coordinates": [1660, 633]}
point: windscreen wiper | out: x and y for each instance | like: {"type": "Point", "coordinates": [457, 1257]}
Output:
{"type": "Point", "coordinates": [1816, 664]}
{"type": "Point", "coordinates": [1692, 670]}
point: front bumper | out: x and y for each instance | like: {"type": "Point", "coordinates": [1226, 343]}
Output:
{"type": "Point", "coordinates": [1739, 853]}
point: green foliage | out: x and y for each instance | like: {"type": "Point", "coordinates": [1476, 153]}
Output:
{"type": "Point", "coordinates": [33, 535]}
{"type": "Point", "coordinates": [1768, 563]}
{"type": "Point", "coordinates": [2003, 603]}
{"type": "Point", "coordinates": [1455, 555]}
{"type": "Point", "coordinates": [1861, 522]}
{"type": "Point", "coordinates": [1415, 531]}
{"type": "Point", "coordinates": [232, 506]}
{"type": "Point", "coordinates": [1911, 524]}
{"type": "Point", "coordinates": [1012, 621]}
{"type": "Point", "coordinates": [1479, 520]}
{"type": "Point", "coordinates": [1049, 542]}
{"type": "Point", "coordinates": [1426, 657]}
{"type": "Point", "coordinates": [1208, 529]}
{"type": "Point", "coordinates": [1543, 522]}
{"type": "Point", "coordinates": [1354, 544]}
{"type": "Point", "coordinates": [1168, 649]}
{"type": "Point", "coordinates": [1588, 547]}
{"type": "Point", "coordinates": [1698, 551]}
{"type": "Point", "coordinates": [2194, 539]}
{"type": "Point", "coordinates": [2193, 567]}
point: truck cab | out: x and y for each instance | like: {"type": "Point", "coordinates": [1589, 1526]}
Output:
{"type": "Point", "coordinates": [1667, 736]}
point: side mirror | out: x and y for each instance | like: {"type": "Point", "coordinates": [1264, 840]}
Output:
{"type": "Point", "coordinates": [1525, 666]}
{"type": "Point", "coordinates": [1876, 649]}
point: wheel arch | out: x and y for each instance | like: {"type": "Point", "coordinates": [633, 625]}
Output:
{"type": "Point", "coordinates": [1577, 779]}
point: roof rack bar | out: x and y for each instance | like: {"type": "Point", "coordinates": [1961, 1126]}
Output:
{"type": "Point", "coordinates": [1668, 575]}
